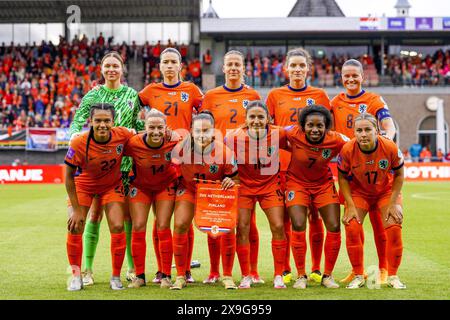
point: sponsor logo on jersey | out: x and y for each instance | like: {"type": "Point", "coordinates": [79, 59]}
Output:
{"type": "Point", "coordinates": [297, 99]}
{"type": "Point", "coordinates": [370, 162]}
{"type": "Point", "coordinates": [326, 153]}
{"type": "Point", "coordinates": [156, 156]}
{"type": "Point", "coordinates": [244, 104]}
{"type": "Point", "coordinates": [233, 100]}
{"type": "Point", "coordinates": [180, 192]}
{"type": "Point", "coordinates": [362, 108]}
{"type": "Point", "coordinates": [130, 104]}
{"type": "Point", "coordinates": [314, 149]}
{"type": "Point", "coordinates": [70, 153]}
{"type": "Point", "coordinates": [383, 164]}
{"type": "Point", "coordinates": [214, 168]}
{"type": "Point", "coordinates": [119, 148]}
{"type": "Point", "coordinates": [133, 192]}
{"type": "Point", "coordinates": [173, 93]}
{"type": "Point", "coordinates": [291, 195]}
{"type": "Point", "coordinates": [168, 156]}
{"type": "Point", "coordinates": [184, 96]}
{"type": "Point", "coordinates": [106, 151]}
{"type": "Point", "coordinates": [310, 102]}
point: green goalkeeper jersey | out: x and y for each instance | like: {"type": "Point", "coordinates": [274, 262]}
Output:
{"type": "Point", "coordinates": [126, 105]}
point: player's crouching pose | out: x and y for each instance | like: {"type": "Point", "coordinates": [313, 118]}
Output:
{"type": "Point", "coordinates": [200, 157]}
{"type": "Point", "coordinates": [368, 160]}
{"type": "Point", "coordinates": [257, 146]}
{"type": "Point", "coordinates": [154, 181]}
{"type": "Point", "coordinates": [97, 155]}
{"type": "Point", "coordinates": [310, 183]}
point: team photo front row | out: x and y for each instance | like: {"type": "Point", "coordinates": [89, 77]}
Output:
{"type": "Point", "coordinates": [126, 170]}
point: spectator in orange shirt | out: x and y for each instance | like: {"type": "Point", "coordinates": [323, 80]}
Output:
{"type": "Point", "coordinates": [425, 155]}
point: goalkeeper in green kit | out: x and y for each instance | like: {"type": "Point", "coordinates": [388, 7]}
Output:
{"type": "Point", "coordinates": [127, 107]}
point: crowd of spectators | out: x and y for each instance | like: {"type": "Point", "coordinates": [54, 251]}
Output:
{"type": "Point", "coordinates": [41, 85]}
{"type": "Point", "coordinates": [431, 70]}
{"type": "Point", "coordinates": [191, 69]}
{"type": "Point", "coordinates": [270, 70]}
{"type": "Point", "coordinates": [419, 153]}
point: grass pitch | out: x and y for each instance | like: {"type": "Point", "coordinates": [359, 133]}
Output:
{"type": "Point", "coordinates": [33, 261]}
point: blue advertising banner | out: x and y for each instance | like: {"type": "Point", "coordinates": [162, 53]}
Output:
{"type": "Point", "coordinates": [424, 23]}
{"type": "Point", "coordinates": [446, 23]}
{"type": "Point", "coordinates": [396, 23]}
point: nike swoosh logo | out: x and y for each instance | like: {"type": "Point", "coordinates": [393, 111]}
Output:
{"type": "Point", "coordinates": [140, 158]}
{"type": "Point", "coordinates": [280, 103]}
{"type": "Point", "coordinates": [156, 97]}
{"type": "Point", "coordinates": [90, 159]}
{"type": "Point", "coordinates": [218, 105]}
{"type": "Point", "coordinates": [354, 167]}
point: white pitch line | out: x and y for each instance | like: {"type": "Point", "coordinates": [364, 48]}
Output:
{"type": "Point", "coordinates": [432, 196]}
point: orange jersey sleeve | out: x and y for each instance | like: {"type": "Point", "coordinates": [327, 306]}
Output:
{"type": "Point", "coordinates": [228, 106]}
{"type": "Point", "coordinates": [309, 164]}
{"type": "Point", "coordinates": [215, 164]}
{"type": "Point", "coordinates": [257, 159]}
{"type": "Point", "coordinates": [346, 108]}
{"type": "Point", "coordinates": [370, 172]}
{"type": "Point", "coordinates": [177, 102]}
{"type": "Point", "coordinates": [152, 167]}
{"type": "Point", "coordinates": [98, 165]}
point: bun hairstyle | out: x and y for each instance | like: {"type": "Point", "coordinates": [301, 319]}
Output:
{"type": "Point", "coordinates": [155, 113]}
{"type": "Point", "coordinates": [368, 117]}
{"type": "Point", "coordinates": [299, 52]}
{"type": "Point", "coordinates": [353, 63]}
{"type": "Point", "coordinates": [97, 106]}
{"type": "Point", "coordinates": [314, 109]}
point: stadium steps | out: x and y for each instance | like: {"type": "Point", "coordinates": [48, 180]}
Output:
{"type": "Point", "coordinates": [135, 73]}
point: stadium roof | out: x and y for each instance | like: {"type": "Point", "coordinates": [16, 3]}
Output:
{"type": "Point", "coordinates": [27, 11]}
{"type": "Point", "coordinates": [314, 8]}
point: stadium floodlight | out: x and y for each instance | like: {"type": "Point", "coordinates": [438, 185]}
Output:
{"type": "Point", "coordinates": [432, 103]}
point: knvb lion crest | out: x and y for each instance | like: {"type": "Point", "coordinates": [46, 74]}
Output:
{"type": "Point", "coordinates": [214, 168]}
{"type": "Point", "coordinates": [362, 108]}
{"type": "Point", "coordinates": [119, 148]}
{"type": "Point", "coordinates": [133, 192]}
{"type": "Point", "coordinates": [270, 150]}
{"type": "Point", "coordinates": [168, 156]}
{"type": "Point", "coordinates": [245, 104]}
{"type": "Point", "coordinates": [326, 153]}
{"type": "Point", "coordinates": [310, 102]}
{"type": "Point", "coordinates": [383, 164]}
{"type": "Point", "coordinates": [184, 96]}
{"type": "Point", "coordinates": [291, 195]}
{"type": "Point", "coordinates": [130, 104]}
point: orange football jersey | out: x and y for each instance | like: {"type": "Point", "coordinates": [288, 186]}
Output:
{"type": "Point", "coordinates": [309, 164]}
{"type": "Point", "coordinates": [177, 102]}
{"type": "Point", "coordinates": [101, 170]}
{"type": "Point", "coordinates": [369, 172]}
{"type": "Point", "coordinates": [258, 159]}
{"type": "Point", "coordinates": [284, 105]}
{"type": "Point", "coordinates": [152, 167]}
{"type": "Point", "coordinates": [215, 164]}
{"type": "Point", "coordinates": [346, 108]}
{"type": "Point", "coordinates": [228, 105]}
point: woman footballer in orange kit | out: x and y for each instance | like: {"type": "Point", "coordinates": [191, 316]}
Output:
{"type": "Point", "coordinates": [178, 100]}
{"type": "Point", "coordinates": [309, 182]}
{"type": "Point", "coordinates": [96, 157]}
{"type": "Point", "coordinates": [345, 107]}
{"type": "Point", "coordinates": [201, 157]}
{"type": "Point", "coordinates": [284, 105]}
{"type": "Point", "coordinates": [365, 164]}
{"type": "Point", "coordinates": [154, 181]}
{"type": "Point", "coordinates": [257, 146]}
{"type": "Point", "coordinates": [228, 103]}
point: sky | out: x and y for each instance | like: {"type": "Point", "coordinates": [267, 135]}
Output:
{"type": "Point", "coordinates": [351, 8]}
